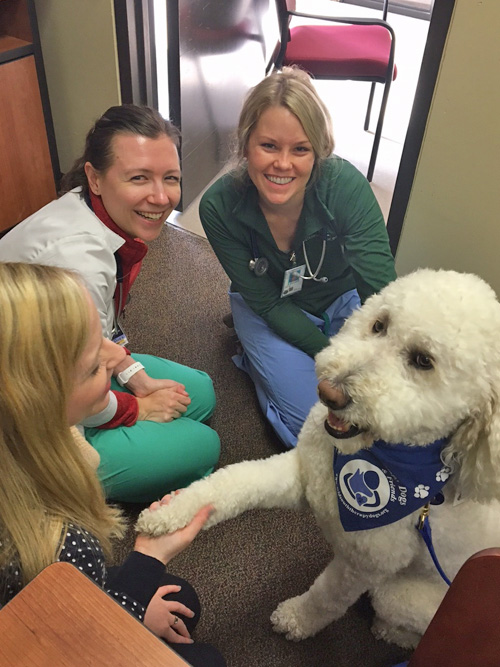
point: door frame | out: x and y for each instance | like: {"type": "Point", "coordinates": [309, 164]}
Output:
{"type": "Point", "coordinates": [431, 62]}
{"type": "Point", "coordinates": [135, 42]}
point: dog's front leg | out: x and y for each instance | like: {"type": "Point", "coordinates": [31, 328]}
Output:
{"type": "Point", "coordinates": [265, 483]}
{"type": "Point", "coordinates": [333, 592]}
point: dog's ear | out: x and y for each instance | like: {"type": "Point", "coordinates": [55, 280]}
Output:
{"type": "Point", "coordinates": [473, 453]}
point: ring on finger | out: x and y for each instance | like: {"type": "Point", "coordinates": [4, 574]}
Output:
{"type": "Point", "coordinates": [176, 620]}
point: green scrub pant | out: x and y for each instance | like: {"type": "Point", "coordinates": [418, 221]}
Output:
{"type": "Point", "coordinates": [143, 462]}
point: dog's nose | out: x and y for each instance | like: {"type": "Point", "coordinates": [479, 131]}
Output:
{"type": "Point", "coordinates": [332, 396]}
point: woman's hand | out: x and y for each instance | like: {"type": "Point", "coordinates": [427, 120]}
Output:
{"type": "Point", "coordinates": [141, 385]}
{"type": "Point", "coordinates": [163, 405]}
{"type": "Point", "coordinates": [165, 547]}
{"type": "Point", "coordinates": [160, 617]}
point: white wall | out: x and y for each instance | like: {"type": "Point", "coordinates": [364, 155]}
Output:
{"type": "Point", "coordinates": [79, 51]}
{"type": "Point", "coordinates": [453, 217]}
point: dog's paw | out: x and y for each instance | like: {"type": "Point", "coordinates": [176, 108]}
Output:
{"type": "Point", "coordinates": [395, 634]}
{"type": "Point", "coordinates": [165, 519]}
{"type": "Point", "coordinates": [293, 620]}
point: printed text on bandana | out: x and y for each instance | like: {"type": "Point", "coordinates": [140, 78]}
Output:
{"type": "Point", "coordinates": [381, 485]}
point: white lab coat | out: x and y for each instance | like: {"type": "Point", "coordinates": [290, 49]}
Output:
{"type": "Point", "coordinates": [68, 234]}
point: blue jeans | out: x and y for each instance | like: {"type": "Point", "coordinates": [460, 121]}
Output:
{"type": "Point", "coordinates": [284, 376]}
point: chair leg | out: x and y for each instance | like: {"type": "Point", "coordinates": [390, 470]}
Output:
{"type": "Point", "coordinates": [369, 108]}
{"type": "Point", "coordinates": [378, 131]}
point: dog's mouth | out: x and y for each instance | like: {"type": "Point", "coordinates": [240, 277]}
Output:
{"type": "Point", "coordinates": [340, 429]}
{"type": "Point", "coordinates": [335, 398]}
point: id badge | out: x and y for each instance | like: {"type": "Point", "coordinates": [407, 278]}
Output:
{"type": "Point", "coordinates": [118, 336]}
{"type": "Point", "coordinates": [292, 280]}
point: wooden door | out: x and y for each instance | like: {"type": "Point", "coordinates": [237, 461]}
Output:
{"type": "Point", "coordinates": [26, 175]}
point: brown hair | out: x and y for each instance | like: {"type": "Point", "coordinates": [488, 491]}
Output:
{"type": "Point", "coordinates": [125, 119]}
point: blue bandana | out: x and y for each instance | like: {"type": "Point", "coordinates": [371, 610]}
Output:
{"type": "Point", "coordinates": [382, 484]}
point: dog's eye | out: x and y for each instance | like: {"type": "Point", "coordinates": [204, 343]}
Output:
{"type": "Point", "coordinates": [378, 327]}
{"type": "Point", "coordinates": [421, 361]}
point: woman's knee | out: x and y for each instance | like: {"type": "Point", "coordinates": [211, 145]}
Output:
{"type": "Point", "coordinates": [203, 397]}
{"type": "Point", "coordinates": [201, 450]}
{"type": "Point", "coordinates": [200, 655]}
{"type": "Point", "coordinates": [186, 596]}
{"type": "Point", "coordinates": [145, 461]}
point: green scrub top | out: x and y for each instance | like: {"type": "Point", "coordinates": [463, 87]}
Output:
{"type": "Point", "coordinates": [339, 207]}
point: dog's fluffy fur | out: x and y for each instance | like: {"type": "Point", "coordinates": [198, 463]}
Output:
{"type": "Point", "coordinates": [418, 362]}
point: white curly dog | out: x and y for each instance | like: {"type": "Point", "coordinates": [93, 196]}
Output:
{"type": "Point", "coordinates": [415, 373]}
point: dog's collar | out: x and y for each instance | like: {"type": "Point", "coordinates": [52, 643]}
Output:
{"type": "Point", "coordinates": [382, 484]}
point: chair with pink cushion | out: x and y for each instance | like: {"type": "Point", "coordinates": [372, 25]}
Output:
{"type": "Point", "coordinates": [354, 49]}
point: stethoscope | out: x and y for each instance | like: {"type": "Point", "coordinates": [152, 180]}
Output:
{"type": "Point", "coordinates": [260, 265]}
{"type": "Point", "coordinates": [119, 279]}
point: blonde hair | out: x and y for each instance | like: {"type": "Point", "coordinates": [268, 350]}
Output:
{"type": "Point", "coordinates": [46, 483]}
{"type": "Point", "coordinates": [291, 88]}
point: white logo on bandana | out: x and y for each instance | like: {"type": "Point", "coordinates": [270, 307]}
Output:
{"type": "Point", "coordinates": [364, 486]}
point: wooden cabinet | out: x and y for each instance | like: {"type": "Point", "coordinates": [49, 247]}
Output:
{"type": "Point", "coordinates": [28, 159]}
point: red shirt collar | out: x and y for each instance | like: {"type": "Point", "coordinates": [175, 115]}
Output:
{"type": "Point", "coordinates": [103, 215]}
{"type": "Point", "coordinates": [131, 253]}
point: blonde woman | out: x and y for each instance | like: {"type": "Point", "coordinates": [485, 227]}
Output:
{"type": "Point", "coordinates": [301, 237]}
{"type": "Point", "coordinates": [56, 370]}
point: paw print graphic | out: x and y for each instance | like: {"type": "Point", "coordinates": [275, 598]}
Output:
{"type": "Point", "coordinates": [421, 491]}
{"type": "Point", "coordinates": [443, 474]}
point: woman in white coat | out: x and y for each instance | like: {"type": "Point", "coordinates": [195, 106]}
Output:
{"type": "Point", "coordinates": [151, 435]}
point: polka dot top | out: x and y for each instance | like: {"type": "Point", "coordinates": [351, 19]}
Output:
{"type": "Point", "coordinates": [82, 550]}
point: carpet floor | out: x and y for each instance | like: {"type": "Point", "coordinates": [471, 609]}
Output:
{"type": "Point", "coordinates": [243, 568]}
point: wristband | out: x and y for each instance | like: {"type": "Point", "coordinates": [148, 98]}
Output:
{"type": "Point", "coordinates": [123, 377]}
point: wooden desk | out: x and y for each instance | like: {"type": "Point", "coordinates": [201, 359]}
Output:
{"type": "Point", "coordinates": [63, 619]}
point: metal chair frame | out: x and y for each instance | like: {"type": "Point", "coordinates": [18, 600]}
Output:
{"type": "Point", "coordinates": [285, 16]}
